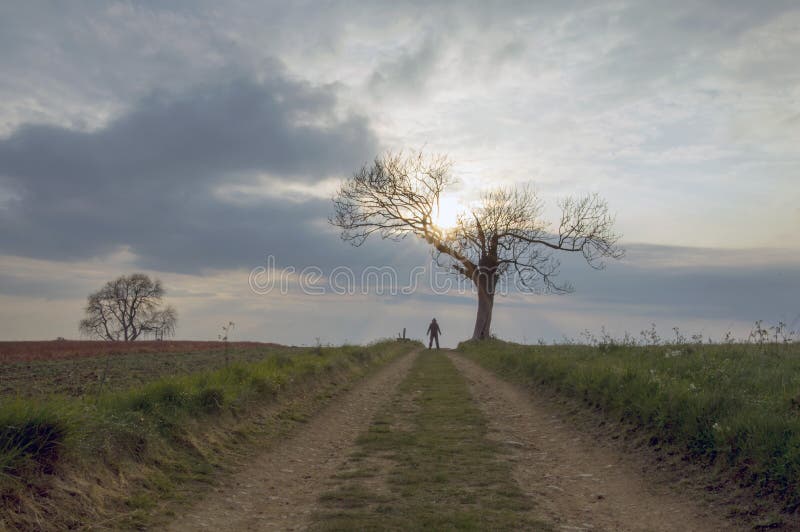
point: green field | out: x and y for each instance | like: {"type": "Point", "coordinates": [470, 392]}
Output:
{"type": "Point", "coordinates": [91, 375]}
{"type": "Point", "coordinates": [114, 456]}
{"type": "Point", "coordinates": [735, 407]}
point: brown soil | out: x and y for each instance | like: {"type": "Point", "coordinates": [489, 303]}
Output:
{"type": "Point", "coordinates": [67, 349]}
{"type": "Point", "coordinates": [280, 487]}
{"type": "Point", "coordinates": [577, 481]}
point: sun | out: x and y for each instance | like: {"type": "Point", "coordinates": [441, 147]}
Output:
{"type": "Point", "coordinates": [446, 216]}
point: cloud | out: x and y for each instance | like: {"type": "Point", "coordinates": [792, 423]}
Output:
{"type": "Point", "coordinates": [151, 178]}
{"type": "Point", "coordinates": [170, 134]}
{"type": "Point", "coordinates": [407, 73]}
{"type": "Point", "coordinates": [694, 283]}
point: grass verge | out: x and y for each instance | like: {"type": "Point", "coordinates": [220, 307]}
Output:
{"type": "Point", "coordinates": [426, 464]}
{"type": "Point", "coordinates": [111, 461]}
{"type": "Point", "coordinates": [731, 408]}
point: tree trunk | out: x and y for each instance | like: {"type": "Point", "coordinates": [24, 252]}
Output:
{"type": "Point", "coordinates": [483, 321]}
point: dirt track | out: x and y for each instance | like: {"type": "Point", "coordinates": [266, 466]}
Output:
{"type": "Point", "coordinates": [578, 483]}
{"type": "Point", "coordinates": [280, 488]}
{"type": "Point", "coordinates": [574, 483]}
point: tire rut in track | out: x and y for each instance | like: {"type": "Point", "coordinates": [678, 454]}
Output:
{"type": "Point", "coordinates": [280, 488]}
{"type": "Point", "coordinates": [577, 483]}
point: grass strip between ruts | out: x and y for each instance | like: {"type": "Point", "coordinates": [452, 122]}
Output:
{"type": "Point", "coordinates": [426, 463]}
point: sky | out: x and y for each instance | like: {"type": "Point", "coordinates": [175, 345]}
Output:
{"type": "Point", "coordinates": [201, 143]}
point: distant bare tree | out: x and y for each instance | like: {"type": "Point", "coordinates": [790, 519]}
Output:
{"type": "Point", "coordinates": [398, 195]}
{"type": "Point", "coordinates": [224, 335]}
{"type": "Point", "coordinates": [127, 308]}
{"type": "Point", "coordinates": [163, 323]}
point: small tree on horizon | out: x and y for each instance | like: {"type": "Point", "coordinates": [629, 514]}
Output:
{"type": "Point", "coordinates": [503, 236]}
{"type": "Point", "coordinates": [127, 308]}
{"type": "Point", "coordinates": [223, 336]}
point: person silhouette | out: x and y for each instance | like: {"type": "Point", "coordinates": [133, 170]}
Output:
{"type": "Point", "coordinates": [434, 331]}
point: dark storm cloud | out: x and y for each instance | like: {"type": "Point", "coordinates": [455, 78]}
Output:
{"type": "Point", "coordinates": [147, 180]}
{"type": "Point", "coordinates": [192, 137]}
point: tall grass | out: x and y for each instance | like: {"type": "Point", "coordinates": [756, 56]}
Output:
{"type": "Point", "coordinates": [734, 405]}
{"type": "Point", "coordinates": [170, 426]}
{"type": "Point", "coordinates": [32, 437]}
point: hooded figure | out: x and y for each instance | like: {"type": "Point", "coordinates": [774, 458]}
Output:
{"type": "Point", "coordinates": [433, 331]}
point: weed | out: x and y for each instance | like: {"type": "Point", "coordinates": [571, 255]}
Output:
{"type": "Point", "coordinates": [31, 436]}
{"type": "Point", "coordinates": [264, 386]}
{"type": "Point", "coordinates": [211, 399]}
{"type": "Point", "coordinates": [223, 336]}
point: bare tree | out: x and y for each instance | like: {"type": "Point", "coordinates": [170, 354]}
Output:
{"type": "Point", "coordinates": [226, 332]}
{"type": "Point", "coordinates": [504, 236]}
{"type": "Point", "coordinates": [127, 308]}
{"type": "Point", "coordinates": [163, 323]}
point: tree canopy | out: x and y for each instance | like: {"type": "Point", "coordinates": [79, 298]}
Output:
{"type": "Point", "coordinates": [504, 235]}
{"type": "Point", "coordinates": [128, 308]}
